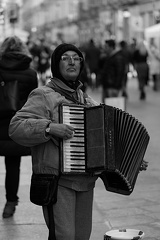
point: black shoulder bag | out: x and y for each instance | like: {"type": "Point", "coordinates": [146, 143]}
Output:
{"type": "Point", "coordinates": [43, 192]}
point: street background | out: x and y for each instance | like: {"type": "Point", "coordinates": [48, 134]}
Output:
{"type": "Point", "coordinates": [140, 210]}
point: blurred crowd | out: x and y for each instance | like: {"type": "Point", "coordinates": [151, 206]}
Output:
{"type": "Point", "coordinates": [108, 65]}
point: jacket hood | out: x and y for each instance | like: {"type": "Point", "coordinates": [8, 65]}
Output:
{"type": "Point", "coordinates": [56, 56]}
{"type": "Point", "coordinates": [15, 61]}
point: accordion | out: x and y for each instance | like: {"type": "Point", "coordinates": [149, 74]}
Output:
{"type": "Point", "coordinates": [107, 141]}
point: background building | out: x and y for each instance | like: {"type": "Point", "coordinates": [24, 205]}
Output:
{"type": "Point", "coordinates": [79, 20]}
{"type": "Point", "coordinates": [10, 19]}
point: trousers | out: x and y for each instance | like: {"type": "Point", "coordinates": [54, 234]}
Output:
{"type": "Point", "coordinates": [72, 214]}
{"type": "Point", "coordinates": [12, 165]}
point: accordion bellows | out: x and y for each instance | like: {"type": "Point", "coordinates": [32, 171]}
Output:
{"type": "Point", "coordinates": [114, 144]}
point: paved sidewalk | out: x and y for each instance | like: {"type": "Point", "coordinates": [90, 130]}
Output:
{"type": "Point", "coordinates": [140, 210]}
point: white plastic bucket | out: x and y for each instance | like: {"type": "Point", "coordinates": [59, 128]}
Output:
{"type": "Point", "coordinates": [124, 234]}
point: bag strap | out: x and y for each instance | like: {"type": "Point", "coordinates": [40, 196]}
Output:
{"type": "Point", "coordinates": [52, 235]}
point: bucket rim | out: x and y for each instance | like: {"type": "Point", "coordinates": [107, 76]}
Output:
{"type": "Point", "coordinates": [125, 234]}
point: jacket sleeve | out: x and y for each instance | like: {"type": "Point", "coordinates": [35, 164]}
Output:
{"type": "Point", "coordinates": [28, 126]}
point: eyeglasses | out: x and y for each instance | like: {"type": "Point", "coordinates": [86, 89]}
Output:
{"type": "Point", "coordinates": [69, 58]}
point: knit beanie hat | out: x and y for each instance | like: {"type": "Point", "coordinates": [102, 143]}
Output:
{"type": "Point", "coordinates": [56, 56]}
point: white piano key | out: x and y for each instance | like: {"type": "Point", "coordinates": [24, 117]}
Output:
{"type": "Point", "coordinates": [74, 149]}
{"type": "Point", "coordinates": [71, 153]}
{"type": "Point", "coordinates": [76, 158]}
{"type": "Point", "coordinates": [80, 162]}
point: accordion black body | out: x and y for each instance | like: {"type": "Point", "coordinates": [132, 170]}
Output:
{"type": "Point", "coordinates": [113, 145]}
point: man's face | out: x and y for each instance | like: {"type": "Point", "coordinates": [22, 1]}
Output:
{"type": "Point", "coordinates": [69, 65]}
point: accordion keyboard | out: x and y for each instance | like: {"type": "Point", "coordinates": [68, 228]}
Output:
{"type": "Point", "coordinates": [74, 149]}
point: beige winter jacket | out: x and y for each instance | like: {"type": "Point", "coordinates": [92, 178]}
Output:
{"type": "Point", "coordinates": [28, 127]}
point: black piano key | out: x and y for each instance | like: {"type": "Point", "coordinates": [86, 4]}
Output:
{"type": "Point", "coordinates": [73, 149]}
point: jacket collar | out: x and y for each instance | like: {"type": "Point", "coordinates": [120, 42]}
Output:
{"type": "Point", "coordinates": [57, 83]}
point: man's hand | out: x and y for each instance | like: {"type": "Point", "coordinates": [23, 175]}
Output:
{"type": "Point", "coordinates": [143, 166]}
{"type": "Point", "coordinates": [61, 130]}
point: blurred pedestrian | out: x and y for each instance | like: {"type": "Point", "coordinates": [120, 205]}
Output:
{"type": "Point", "coordinates": [92, 54]}
{"type": "Point", "coordinates": [112, 74]}
{"type": "Point", "coordinates": [43, 60]}
{"type": "Point", "coordinates": [85, 78]}
{"type": "Point", "coordinates": [126, 53]}
{"type": "Point", "coordinates": [154, 63]}
{"type": "Point", "coordinates": [142, 67]}
{"type": "Point", "coordinates": [85, 75]}
{"type": "Point", "coordinates": [37, 126]}
{"type": "Point", "coordinates": [15, 62]}
{"type": "Point", "coordinates": [102, 58]}
{"type": "Point", "coordinates": [33, 47]}
{"type": "Point", "coordinates": [132, 47]}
